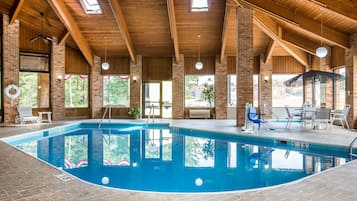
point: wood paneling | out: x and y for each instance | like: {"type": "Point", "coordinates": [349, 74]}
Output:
{"type": "Point", "coordinates": [26, 45]}
{"type": "Point", "coordinates": [231, 65]}
{"type": "Point", "coordinates": [118, 65]}
{"type": "Point", "coordinates": [208, 66]}
{"type": "Point", "coordinates": [119, 113]}
{"type": "Point", "coordinates": [157, 68]}
{"type": "Point", "coordinates": [337, 57]}
{"type": "Point", "coordinates": [286, 64]}
{"type": "Point", "coordinates": [75, 62]}
{"type": "Point", "coordinates": [78, 113]}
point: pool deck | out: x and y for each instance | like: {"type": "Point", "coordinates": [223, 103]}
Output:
{"type": "Point", "coordinates": [23, 177]}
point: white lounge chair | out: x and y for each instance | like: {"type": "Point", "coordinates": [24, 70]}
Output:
{"type": "Point", "coordinates": [342, 117]}
{"type": "Point", "coordinates": [25, 115]}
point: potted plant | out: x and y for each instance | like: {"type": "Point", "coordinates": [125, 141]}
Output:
{"type": "Point", "coordinates": [208, 94]}
{"type": "Point", "coordinates": [134, 113]}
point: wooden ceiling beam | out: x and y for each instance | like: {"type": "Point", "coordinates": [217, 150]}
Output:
{"type": "Point", "coordinates": [15, 10]}
{"type": "Point", "coordinates": [301, 22]}
{"type": "Point", "coordinates": [173, 28]}
{"type": "Point", "coordinates": [269, 51]}
{"type": "Point", "coordinates": [339, 8]}
{"type": "Point", "coordinates": [120, 20]}
{"type": "Point", "coordinates": [67, 19]}
{"type": "Point", "coordinates": [302, 43]}
{"type": "Point", "coordinates": [270, 28]}
{"type": "Point", "coordinates": [227, 18]}
{"type": "Point", "coordinates": [63, 37]}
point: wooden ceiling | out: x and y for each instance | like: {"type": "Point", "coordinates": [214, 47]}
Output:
{"type": "Point", "coordinates": [168, 27]}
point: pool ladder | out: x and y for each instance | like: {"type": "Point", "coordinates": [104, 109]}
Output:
{"type": "Point", "coordinates": [351, 148]}
{"type": "Point", "coordinates": [108, 109]}
{"type": "Point", "coordinates": [151, 114]}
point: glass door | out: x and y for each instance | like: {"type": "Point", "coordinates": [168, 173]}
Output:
{"type": "Point", "coordinates": [157, 99]}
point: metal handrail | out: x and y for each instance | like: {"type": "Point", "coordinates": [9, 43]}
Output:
{"type": "Point", "coordinates": [107, 108]}
{"type": "Point", "coordinates": [351, 147]}
{"type": "Point", "coordinates": [151, 112]}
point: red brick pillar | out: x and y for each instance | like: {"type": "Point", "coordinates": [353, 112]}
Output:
{"type": "Point", "coordinates": [11, 57]}
{"type": "Point", "coordinates": [351, 79]}
{"type": "Point", "coordinates": [57, 84]}
{"type": "Point", "coordinates": [96, 88]}
{"type": "Point", "coordinates": [265, 85]}
{"type": "Point", "coordinates": [178, 88]}
{"type": "Point", "coordinates": [221, 88]}
{"type": "Point", "coordinates": [135, 86]}
{"type": "Point", "coordinates": [244, 62]}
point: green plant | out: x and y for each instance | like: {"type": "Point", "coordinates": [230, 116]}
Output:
{"type": "Point", "coordinates": [208, 94]}
{"type": "Point", "coordinates": [134, 112]}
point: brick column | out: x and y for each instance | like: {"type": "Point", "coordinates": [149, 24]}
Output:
{"type": "Point", "coordinates": [244, 62]}
{"type": "Point", "coordinates": [57, 85]}
{"type": "Point", "coordinates": [351, 79]}
{"type": "Point", "coordinates": [178, 88]}
{"type": "Point", "coordinates": [11, 57]}
{"type": "Point", "coordinates": [325, 65]}
{"type": "Point", "coordinates": [221, 88]}
{"type": "Point", "coordinates": [96, 88]}
{"type": "Point", "coordinates": [135, 86]}
{"type": "Point", "coordinates": [265, 85]}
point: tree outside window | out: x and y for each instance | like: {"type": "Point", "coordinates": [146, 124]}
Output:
{"type": "Point", "coordinates": [76, 91]}
{"type": "Point", "coordinates": [194, 87]}
{"type": "Point", "coordinates": [116, 90]}
{"type": "Point", "coordinates": [34, 89]}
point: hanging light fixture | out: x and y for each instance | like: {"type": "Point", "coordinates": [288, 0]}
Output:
{"type": "Point", "coordinates": [105, 64]}
{"type": "Point", "coordinates": [199, 64]}
{"type": "Point", "coordinates": [321, 51]}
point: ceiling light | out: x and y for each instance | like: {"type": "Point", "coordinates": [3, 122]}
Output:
{"type": "Point", "coordinates": [321, 51]}
{"type": "Point", "coordinates": [199, 64]}
{"type": "Point", "coordinates": [105, 64]}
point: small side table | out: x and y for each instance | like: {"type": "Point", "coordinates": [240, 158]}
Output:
{"type": "Point", "coordinates": [40, 114]}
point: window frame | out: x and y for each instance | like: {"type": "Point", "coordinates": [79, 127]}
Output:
{"type": "Point", "coordinates": [199, 10]}
{"type": "Point", "coordinates": [116, 75]}
{"type": "Point", "coordinates": [88, 91]}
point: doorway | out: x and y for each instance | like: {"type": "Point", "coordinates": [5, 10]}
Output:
{"type": "Point", "coordinates": [157, 99]}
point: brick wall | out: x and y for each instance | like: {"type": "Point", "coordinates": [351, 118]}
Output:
{"type": "Point", "coordinates": [11, 56]}
{"type": "Point", "coordinates": [351, 79]}
{"type": "Point", "coordinates": [57, 86]}
{"type": "Point", "coordinates": [135, 87]}
{"type": "Point", "coordinates": [178, 88]}
{"type": "Point", "coordinates": [245, 61]}
{"type": "Point", "coordinates": [96, 88]}
{"type": "Point", "coordinates": [265, 87]}
{"type": "Point", "coordinates": [221, 88]}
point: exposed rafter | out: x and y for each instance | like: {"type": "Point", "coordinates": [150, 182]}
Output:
{"type": "Point", "coordinates": [120, 20]}
{"type": "Point", "coordinates": [269, 27]}
{"type": "Point", "coordinates": [269, 51]}
{"type": "Point", "coordinates": [173, 28]}
{"type": "Point", "coordinates": [63, 37]}
{"type": "Point", "coordinates": [302, 43]}
{"type": "Point", "coordinates": [301, 22]}
{"type": "Point", "coordinates": [68, 21]}
{"type": "Point", "coordinates": [15, 10]}
{"type": "Point", "coordinates": [227, 18]}
{"type": "Point", "coordinates": [339, 8]}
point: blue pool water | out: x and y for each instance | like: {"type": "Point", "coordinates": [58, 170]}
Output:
{"type": "Point", "coordinates": [165, 159]}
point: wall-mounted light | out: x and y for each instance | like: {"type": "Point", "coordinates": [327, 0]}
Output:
{"type": "Point", "coordinates": [135, 79]}
{"type": "Point", "coordinates": [59, 78]}
{"type": "Point", "coordinates": [266, 78]}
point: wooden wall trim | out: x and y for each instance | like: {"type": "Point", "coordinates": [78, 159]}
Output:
{"type": "Point", "coordinates": [209, 63]}
{"type": "Point", "coordinates": [118, 66]}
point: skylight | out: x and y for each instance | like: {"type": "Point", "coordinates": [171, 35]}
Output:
{"type": "Point", "coordinates": [91, 6]}
{"type": "Point", "coordinates": [199, 5]}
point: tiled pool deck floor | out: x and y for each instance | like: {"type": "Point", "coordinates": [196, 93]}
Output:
{"type": "Point", "coordinates": [25, 178]}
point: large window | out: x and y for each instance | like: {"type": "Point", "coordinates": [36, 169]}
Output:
{"type": "Point", "coordinates": [34, 80]}
{"type": "Point", "coordinates": [283, 95]}
{"type": "Point", "coordinates": [232, 90]}
{"type": "Point", "coordinates": [116, 90]}
{"type": "Point", "coordinates": [255, 90]}
{"type": "Point", "coordinates": [340, 89]}
{"type": "Point", "coordinates": [194, 86]}
{"type": "Point", "coordinates": [76, 91]}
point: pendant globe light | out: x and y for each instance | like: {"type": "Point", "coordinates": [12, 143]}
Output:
{"type": "Point", "coordinates": [199, 64]}
{"type": "Point", "coordinates": [321, 51]}
{"type": "Point", "coordinates": [105, 64]}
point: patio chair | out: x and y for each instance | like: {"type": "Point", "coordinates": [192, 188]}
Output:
{"type": "Point", "coordinates": [322, 115]}
{"type": "Point", "coordinates": [25, 115]}
{"type": "Point", "coordinates": [254, 117]}
{"type": "Point", "coordinates": [342, 117]}
{"type": "Point", "coordinates": [292, 116]}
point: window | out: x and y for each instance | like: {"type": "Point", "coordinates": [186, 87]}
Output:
{"type": "Point", "coordinates": [282, 95]}
{"type": "Point", "coordinates": [76, 90]}
{"type": "Point", "coordinates": [91, 6]}
{"type": "Point", "coordinates": [194, 86]}
{"type": "Point", "coordinates": [340, 90]}
{"type": "Point", "coordinates": [199, 5]}
{"type": "Point", "coordinates": [116, 90]}
{"type": "Point", "coordinates": [232, 90]}
{"type": "Point", "coordinates": [255, 90]}
{"type": "Point", "coordinates": [34, 80]}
